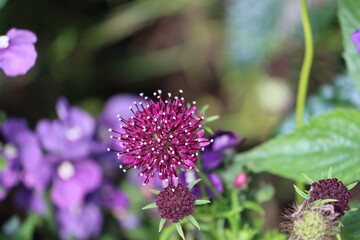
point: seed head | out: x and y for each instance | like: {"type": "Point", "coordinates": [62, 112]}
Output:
{"type": "Point", "coordinates": [161, 137]}
{"type": "Point", "coordinates": [331, 189]}
{"type": "Point", "coordinates": [175, 203]}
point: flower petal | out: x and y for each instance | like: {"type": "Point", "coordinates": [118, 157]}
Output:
{"type": "Point", "coordinates": [21, 36]}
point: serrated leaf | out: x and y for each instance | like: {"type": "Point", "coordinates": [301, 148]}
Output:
{"type": "Point", "coordinates": [154, 191]}
{"type": "Point", "coordinates": [310, 181]}
{"type": "Point", "coordinates": [301, 193]}
{"type": "Point", "coordinates": [149, 206]}
{"type": "Point", "coordinates": [351, 230]}
{"type": "Point", "coordinates": [349, 19]}
{"type": "Point", "coordinates": [328, 140]}
{"type": "Point", "coordinates": [180, 231]}
{"type": "Point", "coordinates": [212, 118]}
{"type": "Point", "coordinates": [193, 221]}
{"type": "Point", "coordinates": [191, 185]}
{"type": "Point", "coordinates": [321, 202]}
{"type": "Point", "coordinates": [351, 186]}
{"type": "Point", "coordinates": [161, 224]}
{"type": "Point", "coordinates": [201, 202]}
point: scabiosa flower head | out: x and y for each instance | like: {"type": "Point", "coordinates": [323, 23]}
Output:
{"type": "Point", "coordinates": [331, 189]}
{"type": "Point", "coordinates": [17, 51]}
{"type": "Point", "coordinates": [161, 137]}
{"type": "Point", "coordinates": [355, 37]}
{"type": "Point", "coordinates": [175, 202]}
{"type": "Point", "coordinates": [308, 222]}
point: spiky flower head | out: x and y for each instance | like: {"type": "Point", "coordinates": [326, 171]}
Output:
{"type": "Point", "coordinates": [161, 137]}
{"type": "Point", "coordinates": [175, 203]}
{"type": "Point", "coordinates": [331, 189]}
{"type": "Point", "coordinates": [307, 222]}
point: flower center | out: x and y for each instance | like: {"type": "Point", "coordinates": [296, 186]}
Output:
{"type": "Point", "coordinates": [4, 41]}
{"type": "Point", "coordinates": [74, 133]}
{"type": "Point", "coordinates": [10, 151]}
{"type": "Point", "coordinates": [66, 170]}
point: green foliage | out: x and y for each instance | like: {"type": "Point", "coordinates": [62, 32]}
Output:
{"type": "Point", "coordinates": [329, 140]}
{"type": "Point", "coordinates": [3, 163]}
{"type": "Point", "coordinates": [350, 21]}
{"type": "Point", "coordinates": [351, 230]}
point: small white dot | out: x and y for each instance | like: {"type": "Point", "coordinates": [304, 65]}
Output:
{"type": "Point", "coordinates": [108, 149]}
{"type": "Point", "coordinates": [110, 130]}
{"type": "Point", "coordinates": [124, 170]}
{"type": "Point", "coordinates": [120, 166]}
{"type": "Point", "coordinates": [181, 91]}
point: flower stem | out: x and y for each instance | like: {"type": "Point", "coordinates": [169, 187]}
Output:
{"type": "Point", "coordinates": [210, 185]}
{"type": "Point", "coordinates": [305, 71]}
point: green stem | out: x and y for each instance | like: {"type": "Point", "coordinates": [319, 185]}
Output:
{"type": "Point", "coordinates": [305, 71]}
{"type": "Point", "coordinates": [210, 185]}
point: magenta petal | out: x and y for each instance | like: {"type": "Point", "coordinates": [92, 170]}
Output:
{"type": "Point", "coordinates": [20, 36]}
{"type": "Point", "coordinates": [88, 175]}
{"type": "Point", "coordinates": [17, 59]}
{"type": "Point", "coordinates": [67, 194]}
{"type": "Point", "coordinates": [358, 46]}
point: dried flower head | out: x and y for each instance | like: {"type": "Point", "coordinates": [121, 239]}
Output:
{"type": "Point", "coordinates": [331, 189]}
{"type": "Point", "coordinates": [175, 203]}
{"type": "Point", "coordinates": [307, 222]}
{"type": "Point", "coordinates": [161, 137]}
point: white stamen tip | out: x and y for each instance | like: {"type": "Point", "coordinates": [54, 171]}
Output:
{"type": "Point", "coordinates": [110, 130]}
{"type": "Point", "coordinates": [181, 91]}
{"type": "Point", "coordinates": [108, 149]}
{"type": "Point", "coordinates": [124, 170]}
{"type": "Point", "coordinates": [141, 94]}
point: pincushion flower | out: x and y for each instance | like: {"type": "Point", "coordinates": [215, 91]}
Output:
{"type": "Point", "coordinates": [17, 51]}
{"type": "Point", "coordinates": [161, 137]}
{"type": "Point", "coordinates": [355, 37]}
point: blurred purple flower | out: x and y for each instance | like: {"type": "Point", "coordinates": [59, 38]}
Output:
{"type": "Point", "coordinates": [30, 200]}
{"type": "Point", "coordinates": [24, 156]}
{"type": "Point", "coordinates": [17, 51]}
{"type": "Point", "coordinates": [73, 180]}
{"type": "Point", "coordinates": [355, 37]}
{"type": "Point", "coordinates": [114, 199]}
{"type": "Point", "coordinates": [224, 143]}
{"type": "Point", "coordinates": [69, 137]}
{"type": "Point", "coordinates": [82, 222]}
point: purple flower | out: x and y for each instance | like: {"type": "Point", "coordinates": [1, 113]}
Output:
{"type": "Point", "coordinates": [30, 200]}
{"type": "Point", "coordinates": [82, 222]}
{"type": "Point", "coordinates": [24, 156]}
{"type": "Point", "coordinates": [114, 199]}
{"type": "Point", "coordinates": [73, 180]}
{"type": "Point", "coordinates": [161, 137]}
{"type": "Point", "coordinates": [17, 51]}
{"type": "Point", "coordinates": [355, 37]}
{"type": "Point", "coordinates": [69, 137]}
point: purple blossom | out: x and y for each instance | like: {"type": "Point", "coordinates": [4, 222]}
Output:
{"type": "Point", "coordinates": [73, 180]}
{"type": "Point", "coordinates": [70, 136]}
{"type": "Point", "coordinates": [161, 137]}
{"type": "Point", "coordinates": [82, 222]}
{"type": "Point", "coordinates": [355, 37]}
{"type": "Point", "coordinates": [30, 200]}
{"type": "Point", "coordinates": [17, 51]}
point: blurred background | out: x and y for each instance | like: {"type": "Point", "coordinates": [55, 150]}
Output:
{"type": "Point", "coordinates": [241, 57]}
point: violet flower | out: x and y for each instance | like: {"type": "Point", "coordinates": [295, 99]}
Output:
{"type": "Point", "coordinates": [224, 143]}
{"type": "Point", "coordinates": [30, 200]}
{"type": "Point", "coordinates": [82, 222]}
{"type": "Point", "coordinates": [355, 37]}
{"type": "Point", "coordinates": [17, 51]}
{"type": "Point", "coordinates": [69, 137]}
{"type": "Point", "coordinates": [161, 137]}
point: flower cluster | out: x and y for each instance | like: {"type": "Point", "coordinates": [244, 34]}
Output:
{"type": "Point", "coordinates": [63, 157]}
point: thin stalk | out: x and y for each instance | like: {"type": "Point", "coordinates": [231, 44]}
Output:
{"type": "Point", "coordinates": [305, 71]}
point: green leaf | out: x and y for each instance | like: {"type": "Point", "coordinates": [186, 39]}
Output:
{"type": "Point", "coordinates": [329, 140]}
{"type": "Point", "coordinates": [310, 181]}
{"type": "Point", "coordinates": [193, 221]}
{"type": "Point", "coordinates": [203, 109]}
{"type": "Point", "coordinates": [149, 206]}
{"type": "Point", "coordinates": [154, 191]}
{"type": "Point", "coordinates": [212, 118]}
{"type": "Point", "coordinates": [321, 202]}
{"type": "Point", "coordinates": [161, 224]}
{"type": "Point", "coordinates": [191, 185]}
{"type": "Point", "coordinates": [351, 230]}
{"type": "Point", "coordinates": [207, 129]}
{"type": "Point", "coordinates": [180, 231]}
{"type": "Point", "coordinates": [27, 228]}
{"type": "Point", "coordinates": [301, 193]}
{"type": "Point", "coordinates": [3, 163]}
{"type": "Point", "coordinates": [329, 173]}
{"type": "Point", "coordinates": [349, 19]}
{"type": "Point", "coordinates": [200, 202]}
{"type": "Point", "coordinates": [351, 186]}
